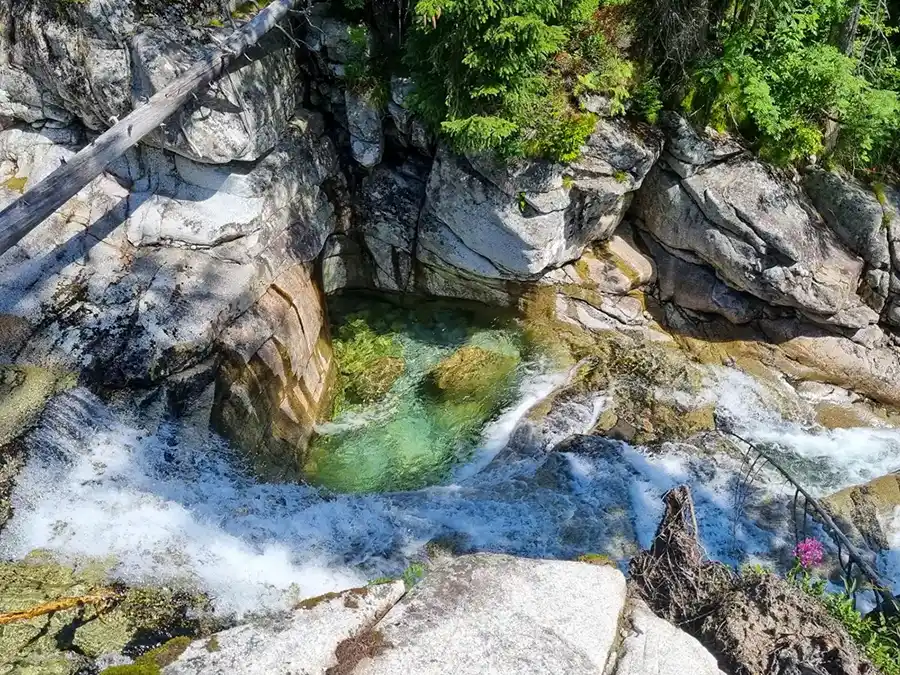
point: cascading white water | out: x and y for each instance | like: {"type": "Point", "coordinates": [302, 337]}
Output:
{"type": "Point", "coordinates": [169, 507]}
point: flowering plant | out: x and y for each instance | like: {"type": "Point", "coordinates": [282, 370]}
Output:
{"type": "Point", "coordinates": [809, 553]}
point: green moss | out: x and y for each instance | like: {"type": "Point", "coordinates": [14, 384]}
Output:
{"type": "Point", "coordinates": [596, 559]}
{"type": "Point", "coordinates": [153, 661]}
{"type": "Point", "coordinates": [313, 602]}
{"type": "Point", "coordinates": [212, 645]}
{"type": "Point", "coordinates": [16, 183]}
{"type": "Point", "coordinates": [413, 575]}
{"type": "Point", "coordinates": [248, 10]}
{"type": "Point", "coordinates": [368, 363]}
{"type": "Point", "coordinates": [621, 176]}
{"type": "Point", "coordinates": [380, 581]}
{"type": "Point", "coordinates": [568, 182]}
{"type": "Point", "coordinates": [880, 194]}
{"type": "Point", "coordinates": [582, 269]}
{"type": "Point", "coordinates": [216, 23]}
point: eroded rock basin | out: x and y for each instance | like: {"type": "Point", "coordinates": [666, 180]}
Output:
{"type": "Point", "coordinates": [415, 387]}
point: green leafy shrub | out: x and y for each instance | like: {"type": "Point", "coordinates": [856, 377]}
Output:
{"type": "Point", "coordinates": [877, 636]}
{"type": "Point", "coordinates": [778, 74]}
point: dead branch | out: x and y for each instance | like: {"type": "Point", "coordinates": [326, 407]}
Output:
{"type": "Point", "coordinates": [103, 599]}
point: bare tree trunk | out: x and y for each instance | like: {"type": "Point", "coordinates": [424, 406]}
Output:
{"type": "Point", "coordinates": [43, 199]}
{"type": "Point", "coordinates": [849, 30]}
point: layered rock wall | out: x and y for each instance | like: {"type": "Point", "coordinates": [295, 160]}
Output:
{"type": "Point", "coordinates": [196, 258]}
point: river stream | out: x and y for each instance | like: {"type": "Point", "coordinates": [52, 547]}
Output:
{"type": "Point", "coordinates": [175, 506]}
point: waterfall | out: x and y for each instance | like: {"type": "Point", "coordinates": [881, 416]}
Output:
{"type": "Point", "coordinates": [175, 507]}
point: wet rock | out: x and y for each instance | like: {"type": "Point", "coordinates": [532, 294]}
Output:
{"type": "Point", "coordinates": [653, 646]}
{"type": "Point", "coordinates": [307, 640]}
{"type": "Point", "coordinates": [495, 613]}
{"type": "Point", "coordinates": [865, 512]}
{"type": "Point", "coordinates": [24, 390]}
{"type": "Point", "coordinates": [277, 377]}
{"type": "Point", "coordinates": [64, 641]}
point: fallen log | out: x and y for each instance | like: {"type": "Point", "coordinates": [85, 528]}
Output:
{"type": "Point", "coordinates": [43, 199]}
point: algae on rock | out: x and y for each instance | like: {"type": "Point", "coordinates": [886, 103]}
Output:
{"type": "Point", "coordinates": [472, 374]}
{"type": "Point", "coordinates": [65, 641]}
{"type": "Point", "coordinates": [368, 363]}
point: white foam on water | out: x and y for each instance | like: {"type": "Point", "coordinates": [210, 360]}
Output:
{"type": "Point", "coordinates": [169, 508]}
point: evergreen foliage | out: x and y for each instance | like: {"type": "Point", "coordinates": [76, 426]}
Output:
{"type": "Point", "coordinates": [503, 75]}
{"type": "Point", "coordinates": [800, 78]}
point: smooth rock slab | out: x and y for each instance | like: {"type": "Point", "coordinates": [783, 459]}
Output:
{"type": "Point", "coordinates": [488, 613]}
{"type": "Point", "coordinates": [656, 647]}
{"type": "Point", "coordinates": [304, 644]}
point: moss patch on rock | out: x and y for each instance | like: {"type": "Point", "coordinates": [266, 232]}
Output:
{"type": "Point", "coordinates": [368, 363]}
{"type": "Point", "coordinates": [65, 641]}
{"type": "Point", "coordinates": [153, 661]}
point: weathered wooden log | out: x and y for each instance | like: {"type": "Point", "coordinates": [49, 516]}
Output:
{"type": "Point", "coordinates": [43, 199]}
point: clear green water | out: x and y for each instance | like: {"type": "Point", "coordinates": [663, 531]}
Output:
{"type": "Point", "coordinates": [411, 437]}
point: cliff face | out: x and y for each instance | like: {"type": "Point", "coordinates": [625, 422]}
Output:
{"type": "Point", "coordinates": [197, 263]}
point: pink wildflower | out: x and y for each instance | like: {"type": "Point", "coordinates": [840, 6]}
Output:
{"type": "Point", "coordinates": [809, 553]}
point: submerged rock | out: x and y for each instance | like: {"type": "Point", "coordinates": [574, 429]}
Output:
{"type": "Point", "coordinates": [472, 374]}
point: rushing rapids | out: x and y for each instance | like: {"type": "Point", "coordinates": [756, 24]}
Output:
{"type": "Point", "coordinates": [176, 506]}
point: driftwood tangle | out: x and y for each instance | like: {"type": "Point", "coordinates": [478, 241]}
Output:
{"type": "Point", "coordinates": [43, 199]}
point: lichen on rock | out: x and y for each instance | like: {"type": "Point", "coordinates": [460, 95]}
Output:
{"type": "Point", "coordinates": [65, 641]}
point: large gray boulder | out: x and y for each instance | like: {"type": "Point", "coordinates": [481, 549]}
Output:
{"type": "Point", "coordinates": [489, 613]}
{"type": "Point", "coordinates": [861, 222]}
{"type": "Point", "coordinates": [305, 641]}
{"type": "Point", "coordinates": [759, 234]}
{"type": "Point", "coordinates": [653, 646]}
{"type": "Point", "coordinates": [696, 287]}
{"type": "Point", "coordinates": [96, 60]}
{"type": "Point", "coordinates": [515, 221]}
{"type": "Point", "coordinates": [132, 284]}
